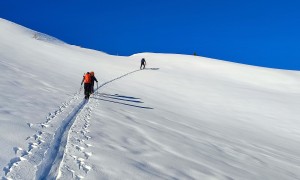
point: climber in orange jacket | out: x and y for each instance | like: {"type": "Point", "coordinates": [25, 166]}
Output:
{"type": "Point", "coordinates": [87, 79]}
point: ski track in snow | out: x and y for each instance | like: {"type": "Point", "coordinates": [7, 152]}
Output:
{"type": "Point", "coordinates": [41, 145]}
{"type": "Point", "coordinates": [61, 138]}
{"type": "Point", "coordinates": [48, 168]}
{"type": "Point", "coordinates": [74, 164]}
{"type": "Point", "coordinates": [77, 147]}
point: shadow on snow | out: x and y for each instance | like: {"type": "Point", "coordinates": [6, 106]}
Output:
{"type": "Point", "coordinates": [121, 98]}
{"type": "Point", "coordinates": [116, 98]}
{"type": "Point", "coordinates": [118, 102]}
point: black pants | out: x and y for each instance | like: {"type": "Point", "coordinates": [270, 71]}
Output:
{"type": "Point", "coordinates": [87, 90]}
{"type": "Point", "coordinates": [143, 65]}
{"type": "Point", "coordinates": [92, 88]}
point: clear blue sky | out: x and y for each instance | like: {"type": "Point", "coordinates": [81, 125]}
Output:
{"type": "Point", "coordinates": [258, 32]}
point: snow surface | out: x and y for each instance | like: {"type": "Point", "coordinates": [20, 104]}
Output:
{"type": "Point", "coordinates": [183, 117]}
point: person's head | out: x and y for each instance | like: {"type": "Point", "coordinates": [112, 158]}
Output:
{"type": "Point", "coordinates": [92, 73]}
{"type": "Point", "coordinates": [88, 73]}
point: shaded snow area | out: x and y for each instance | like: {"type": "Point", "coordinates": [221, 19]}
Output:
{"type": "Point", "coordinates": [183, 117]}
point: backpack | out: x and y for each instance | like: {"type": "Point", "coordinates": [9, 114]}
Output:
{"type": "Point", "coordinates": [87, 78]}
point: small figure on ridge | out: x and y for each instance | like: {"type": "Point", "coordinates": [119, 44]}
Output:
{"type": "Point", "coordinates": [143, 63]}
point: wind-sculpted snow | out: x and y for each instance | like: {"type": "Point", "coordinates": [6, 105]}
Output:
{"type": "Point", "coordinates": [47, 38]}
{"type": "Point", "coordinates": [183, 117]}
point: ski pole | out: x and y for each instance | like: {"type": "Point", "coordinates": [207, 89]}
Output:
{"type": "Point", "coordinates": [80, 88]}
{"type": "Point", "coordinates": [97, 88]}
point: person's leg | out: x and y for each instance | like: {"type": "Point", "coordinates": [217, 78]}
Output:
{"type": "Point", "coordinates": [92, 88]}
{"type": "Point", "coordinates": [86, 90]}
{"type": "Point", "coordinates": [89, 90]}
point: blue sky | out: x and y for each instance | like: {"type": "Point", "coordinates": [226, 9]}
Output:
{"type": "Point", "coordinates": [257, 32]}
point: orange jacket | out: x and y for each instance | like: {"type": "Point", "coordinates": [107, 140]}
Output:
{"type": "Point", "coordinates": [87, 78]}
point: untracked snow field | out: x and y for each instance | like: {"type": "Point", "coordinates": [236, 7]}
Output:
{"type": "Point", "coordinates": [183, 117]}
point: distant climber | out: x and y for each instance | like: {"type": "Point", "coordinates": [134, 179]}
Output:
{"type": "Point", "coordinates": [93, 79]}
{"type": "Point", "coordinates": [87, 79]}
{"type": "Point", "coordinates": [143, 63]}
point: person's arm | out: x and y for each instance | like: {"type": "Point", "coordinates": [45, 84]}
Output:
{"type": "Point", "coordinates": [95, 79]}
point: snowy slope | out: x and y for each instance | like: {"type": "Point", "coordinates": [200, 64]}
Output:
{"type": "Point", "coordinates": [183, 117]}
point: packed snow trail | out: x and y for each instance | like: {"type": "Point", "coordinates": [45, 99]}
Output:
{"type": "Point", "coordinates": [50, 164]}
{"type": "Point", "coordinates": [48, 167]}
{"type": "Point", "coordinates": [40, 142]}
{"type": "Point", "coordinates": [116, 79]}
{"type": "Point", "coordinates": [76, 143]}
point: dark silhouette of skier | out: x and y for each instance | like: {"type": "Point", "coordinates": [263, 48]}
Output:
{"type": "Point", "coordinates": [87, 79]}
{"type": "Point", "coordinates": [143, 63]}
